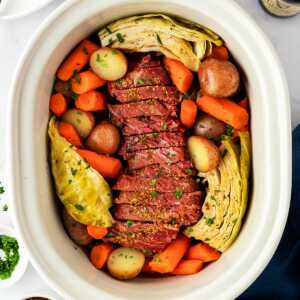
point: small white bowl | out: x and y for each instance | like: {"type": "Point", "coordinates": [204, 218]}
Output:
{"type": "Point", "coordinates": [22, 264]}
{"type": "Point", "coordinates": [47, 294]}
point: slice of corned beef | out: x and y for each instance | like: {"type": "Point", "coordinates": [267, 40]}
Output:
{"type": "Point", "coordinates": [143, 158]}
{"type": "Point", "coordinates": [158, 199]}
{"type": "Point", "coordinates": [139, 109]}
{"type": "Point", "coordinates": [179, 169]}
{"type": "Point", "coordinates": [161, 184]}
{"type": "Point", "coordinates": [141, 77]}
{"type": "Point", "coordinates": [143, 61]}
{"type": "Point", "coordinates": [168, 94]}
{"type": "Point", "coordinates": [151, 124]}
{"type": "Point", "coordinates": [179, 214]}
{"type": "Point", "coordinates": [152, 141]}
{"type": "Point", "coordinates": [144, 236]}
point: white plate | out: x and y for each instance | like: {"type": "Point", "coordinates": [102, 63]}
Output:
{"type": "Point", "coordinates": [12, 9]}
{"type": "Point", "coordinates": [22, 264]}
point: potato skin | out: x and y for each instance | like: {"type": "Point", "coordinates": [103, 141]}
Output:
{"type": "Point", "coordinates": [105, 138]}
{"type": "Point", "coordinates": [204, 153]}
{"type": "Point", "coordinates": [218, 78]}
{"type": "Point", "coordinates": [209, 127]}
{"type": "Point", "coordinates": [77, 231]}
{"type": "Point", "coordinates": [125, 263]}
{"type": "Point", "coordinates": [83, 121]}
{"type": "Point", "coordinates": [109, 64]}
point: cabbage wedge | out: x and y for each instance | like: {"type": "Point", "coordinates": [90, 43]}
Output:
{"type": "Point", "coordinates": [226, 199]}
{"type": "Point", "coordinates": [175, 38]}
{"type": "Point", "coordinates": [85, 194]}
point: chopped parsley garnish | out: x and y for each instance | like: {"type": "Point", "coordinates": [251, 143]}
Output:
{"type": "Point", "coordinates": [120, 37]}
{"type": "Point", "coordinates": [79, 207]}
{"type": "Point", "coordinates": [10, 257]}
{"type": "Point", "coordinates": [76, 76]}
{"type": "Point", "coordinates": [2, 191]}
{"type": "Point", "coordinates": [140, 81]}
{"type": "Point", "coordinates": [101, 61]}
{"type": "Point", "coordinates": [110, 234]}
{"type": "Point", "coordinates": [114, 52]}
{"type": "Point", "coordinates": [228, 130]}
{"type": "Point", "coordinates": [189, 171]}
{"type": "Point", "coordinates": [70, 181]}
{"type": "Point", "coordinates": [173, 221]}
{"type": "Point", "coordinates": [110, 41]}
{"type": "Point", "coordinates": [178, 194]}
{"type": "Point", "coordinates": [164, 126]}
{"type": "Point", "coordinates": [73, 171]}
{"type": "Point", "coordinates": [74, 96]}
{"type": "Point", "coordinates": [171, 154]}
{"type": "Point", "coordinates": [85, 51]}
{"type": "Point", "coordinates": [79, 162]}
{"type": "Point", "coordinates": [158, 39]}
{"type": "Point", "coordinates": [154, 194]}
{"type": "Point", "coordinates": [213, 198]}
{"type": "Point", "coordinates": [5, 207]}
{"type": "Point", "coordinates": [129, 222]}
{"type": "Point", "coordinates": [153, 182]}
{"type": "Point", "coordinates": [210, 221]}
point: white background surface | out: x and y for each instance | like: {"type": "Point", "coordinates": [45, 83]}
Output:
{"type": "Point", "coordinates": [14, 34]}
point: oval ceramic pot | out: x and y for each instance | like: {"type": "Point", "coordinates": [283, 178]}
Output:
{"type": "Point", "coordinates": [66, 268]}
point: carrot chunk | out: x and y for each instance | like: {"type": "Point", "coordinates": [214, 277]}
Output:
{"type": "Point", "coordinates": [91, 101]}
{"type": "Point", "coordinates": [181, 76]}
{"type": "Point", "coordinates": [219, 53]}
{"type": "Point", "coordinates": [188, 267]}
{"type": "Point", "coordinates": [224, 110]}
{"type": "Point", "coordinates": [188, 113]}
{"type": "Point", "coordinates": [203, 252]}
{"type": "Point", "coordinates": [76, 60]}
{"type": "Point", "coordinates": [167, 260]}
{"type": "Point", "coordinates": [69, 133]}
{"type": "Point", "coordinates": [58, 104]}
{"type": "Point", "coordinates": [86, 81]}
{"type": "Point", "coordinates": [107, 166]}
{"type": "Point", "coordinates": [99, 254]}
{"type": "Point", "coordinates": [97, 232]}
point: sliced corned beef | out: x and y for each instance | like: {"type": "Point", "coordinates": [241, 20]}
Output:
{"type": "Point", "coordinates": [141, 125]}
{"type": "Point", "coordinates": [161, 184]}
{"type": "Point", "coordinates": [144, 236]}
{"type": "Point", "coordinates": [174, 214]}
{"type": "Point", "coordinates": [168, 94]}
{"type": "Point", "coordinates": [143, 158]}
{"type": "Point", "coordinates": [140, 109]}
{"type": "Point", "coordinates": [144, 61]}
{"type": "Point", "coordinates": [179, 169]}
{"type": "Point", "coordinates": [141, 77]}
{"type": "Point", "coordinates": [158, 199]}
{"type": "Point", "coordinates": [152, 141]}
